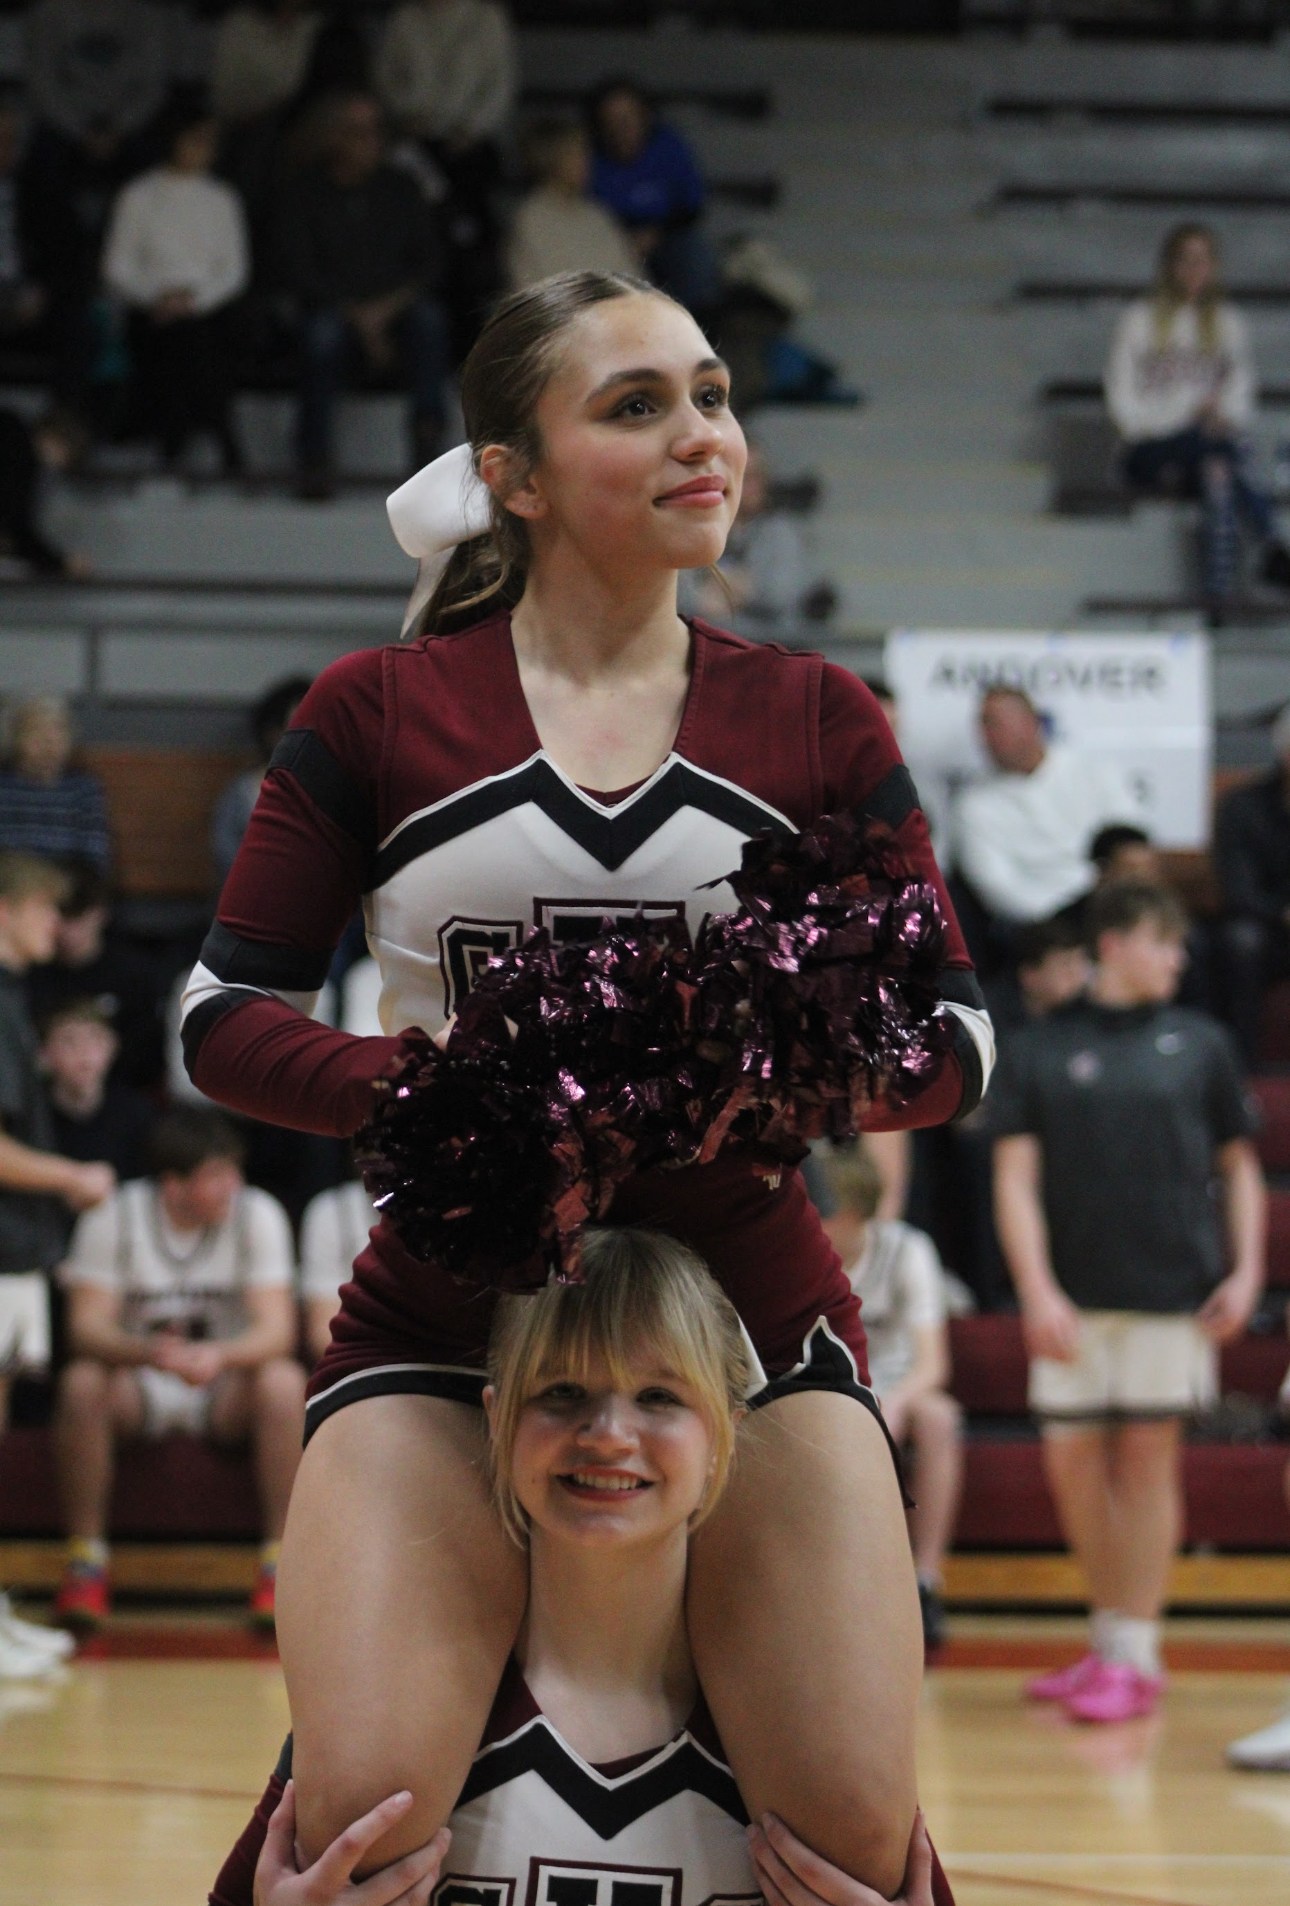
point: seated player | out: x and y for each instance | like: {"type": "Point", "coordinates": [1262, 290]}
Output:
{"type": "Point", "coordinates": [612, 1407]}
{"type": "Point", "coordinates": [896, 1273]}
{"type": "Point", "coordinates": [181, 1315]}
{"type": "Point", "coordinates": [332, 1233]}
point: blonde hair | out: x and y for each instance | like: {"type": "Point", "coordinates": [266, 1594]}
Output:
{"type": "Point", "coordinates": [643, 1295]}
{"type": "Point", "coordinates": [854, 1180]}
{"type": "Point", "coordinates": [1166, 303]}
{"type": "Point", "coordinates": [20, 715]}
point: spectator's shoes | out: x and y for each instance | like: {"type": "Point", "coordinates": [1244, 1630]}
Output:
{"type": "Point", "coordinates": [84, 1598]}
{"type": "Point", "coordinates": [19, 1663]}
{"type": "Point", "coordinates": [1267, 1752]}
{"type": "Point", "coordinates": [1062, 1683]}
{"type": "Point", "coordinates": [260, 1607]}
{"type": "Point", "coordinates": [51, 1642]}
{"type": "Point", "coordinates": [932, 1609]}
{"type": "Point", "coordinates": [1116, 1692]}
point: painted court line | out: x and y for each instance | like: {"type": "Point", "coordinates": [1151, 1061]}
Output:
{"type": "Point", "coordinates": [100, 1783]}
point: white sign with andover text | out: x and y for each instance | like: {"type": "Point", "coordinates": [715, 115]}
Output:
{"type": "Point", "coordinates": [1141, 700]}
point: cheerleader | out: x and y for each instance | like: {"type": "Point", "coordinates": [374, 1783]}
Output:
{"type": "Point", "coordinates": [613, 1408]}
{"type": "Point", "coordinates": [556, 746]}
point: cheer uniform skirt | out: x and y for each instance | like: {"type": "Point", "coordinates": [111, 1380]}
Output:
{"type": "Point", "coordinates": [408, 1327]}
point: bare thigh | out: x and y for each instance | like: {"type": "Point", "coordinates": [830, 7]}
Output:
{"type": "Point", "coordinates": [399, 1598]}
{"type": "Point", "coordinates": [803, 1614]}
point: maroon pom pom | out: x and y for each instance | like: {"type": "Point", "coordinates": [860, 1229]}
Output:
{"type": "Point", "coordinates": [571, 1067]}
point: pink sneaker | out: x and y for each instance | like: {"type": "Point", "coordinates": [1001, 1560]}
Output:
{"type": "Point", "coordinates": [1116, 1693]}
{"type": "Point", "coordinates": [1062, 1683]}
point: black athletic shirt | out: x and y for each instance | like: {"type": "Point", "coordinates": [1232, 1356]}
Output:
{"type": "Point", "coordinates": [1130, 1105]}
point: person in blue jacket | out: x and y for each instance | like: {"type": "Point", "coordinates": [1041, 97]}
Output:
{"type": "Point", "coordinates": [647, 176]}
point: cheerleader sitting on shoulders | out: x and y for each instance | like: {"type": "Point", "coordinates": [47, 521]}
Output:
{"type": "Point", "coordinates": [612, 1409]}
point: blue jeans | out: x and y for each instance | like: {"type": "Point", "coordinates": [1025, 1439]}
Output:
{"type": "Point", "coordinates": [1217, 470]}
{"type": "Point", "coordinates": [328, 346]}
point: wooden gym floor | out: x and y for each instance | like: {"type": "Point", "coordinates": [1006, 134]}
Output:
{"type": "Point", "coordinates": [125, 1783]}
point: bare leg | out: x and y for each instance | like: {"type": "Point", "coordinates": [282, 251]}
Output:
{"type": "Point", "coordinates": [268, 1404]}
{"type": "Point", "coordinates": [935, 1424]}
{"type": "Point", "coordinates": [805, 1627]}
{"type": "Point", "coordinates": [1146, 1498]}
{"type": "Point", "coordinates": [399, 1598]}
{"type": "Point", "coordinates": [95, 1404]}
{"type": "Point", "coordinates": [1077, 1465]}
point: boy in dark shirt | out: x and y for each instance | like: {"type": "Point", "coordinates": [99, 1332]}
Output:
{"type": "Point", "coordinates": [94, 1114]}
{"type": "Point", "coordinates": [35, 1183]}
{"type": "Point", "coordinates": [1116, 1120]}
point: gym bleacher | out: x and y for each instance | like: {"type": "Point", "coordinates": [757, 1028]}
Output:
{"type": "Point", "coordinates": [972, 209]}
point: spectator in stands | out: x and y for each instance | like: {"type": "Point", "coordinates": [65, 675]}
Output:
{"type": "Point", "coordinates": [262, 54]}
{"type": "Point", "coordinates": [181, 1315]}
{"type": "Point", "coordinates": [1022, 836]}
{"type": "Point", "coordinates": [446, 73]}
{"type": "Point", "coordinates": [36, 1187]}
{"type": "Point", "coordinates": [47, 806]}
{"type": "Point", "coordinates": [35, 1182]}
{"type": "Point", "coordinates": [359, 246]}
{"type": "Point", "coordinates": [765, 588]}
{"type": "Point", "coordinates": [95, 1116]}
{"type": "Point", "coordinates": [1130, 1208]}
{"type": "Point", "coordinates": [1050, 968]}
{"type": "Point", "coordinates": [177, 255]}
{"type": "Point", "coordinates": [23, 298]}
{"type": "Point", "coordinates": [647, 176]}
{"type": "Point", "coordinates": [26, 451]}
{"type": "Point", "coordinates": [557, 226]}
{"type": "Point", "coordinates": [333, 1231]}
{"type": "Point", "coordinates": [895, 1272]}
{"type": "Point", "coordinates": [271, 716]}
{"type": "Point", "coordinates": [1252, 861]}
{"type": "Point", "coordinates": [1180, 387]}
{"type": "Point", "coordinates": [93, 963]}
{"type": "Point", "coordinates": [98, 72]}
{"type": "Point", "coordinates": [1124, 852]}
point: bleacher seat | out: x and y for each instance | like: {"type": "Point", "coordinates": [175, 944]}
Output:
{"type": "Point", "coordinates": [1234, 1495]}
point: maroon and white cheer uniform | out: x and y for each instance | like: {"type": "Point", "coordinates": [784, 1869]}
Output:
{"type": "Point", "coordinates": [413, 780]}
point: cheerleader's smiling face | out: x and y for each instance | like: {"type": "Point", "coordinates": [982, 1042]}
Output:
{"type": "Point", "coordinates": [605, 1461]}
{"type": "Point", "coordinates": [641, 459]}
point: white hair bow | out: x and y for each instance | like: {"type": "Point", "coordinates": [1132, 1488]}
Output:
{"type": "Point", "coordinates": [441, 506]}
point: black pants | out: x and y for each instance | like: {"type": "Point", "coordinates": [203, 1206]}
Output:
{"type": "Point", "coordinates": [184, 381]}
{"type": "Point", "coordinates": [1252, 953]}
{"type": "Point", "coordinates": [19, 472]}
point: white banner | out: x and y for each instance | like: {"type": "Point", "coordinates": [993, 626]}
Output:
{"type": "Point", "coordinates": [1141, 700]}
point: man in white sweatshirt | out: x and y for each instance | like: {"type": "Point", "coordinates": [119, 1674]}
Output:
{"type": "Point", "coordinates": [176, 254]}
{"type": "Point", "coordinates": [1022, 836]}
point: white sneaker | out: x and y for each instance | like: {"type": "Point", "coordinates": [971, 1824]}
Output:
{"type": "Point", "coordinates": [1268, 1751]}
{"type": "Point", "coordinates": [55, 1642]}
{"type": "Point", "coordinates": [18, 1663]}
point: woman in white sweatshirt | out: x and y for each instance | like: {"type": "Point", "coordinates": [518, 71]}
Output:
{"type": "Point", "coordinates": [176, 254]}
{"type": "Point", "coordinates": [1180, 387]}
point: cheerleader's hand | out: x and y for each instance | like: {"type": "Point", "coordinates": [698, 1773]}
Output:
{"type": "Point", "coordinates": [328, 1882]}
{"type": "Point", "coordinates": [789, 1874]}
